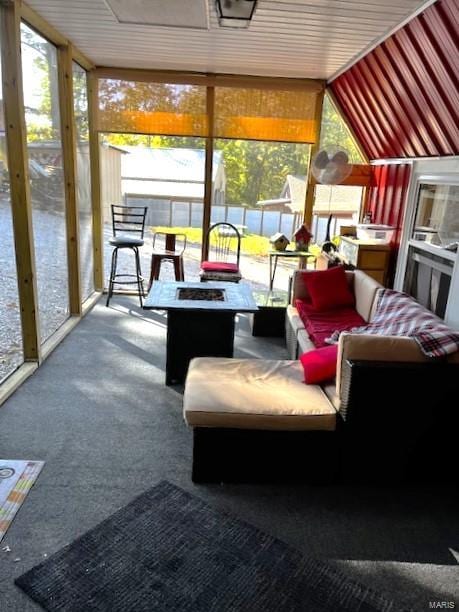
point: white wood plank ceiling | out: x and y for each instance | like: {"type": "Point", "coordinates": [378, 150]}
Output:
{"type": "Point", "coordinates": [290, 38]}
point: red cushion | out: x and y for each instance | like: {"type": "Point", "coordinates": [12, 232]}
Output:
{"type": "Point", "coordinates": [328, 289]}
{"type": "Point", "coordinates": [320, 325]}
{"type": "Point", "coordinates": [319, 365]}
{"type": "Point", "coordinates": [218, 266]}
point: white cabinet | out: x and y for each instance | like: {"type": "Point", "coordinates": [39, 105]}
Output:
{"type": "Point", "coordinates": [370, 256]}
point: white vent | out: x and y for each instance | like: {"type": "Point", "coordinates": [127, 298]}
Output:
{"type": "Point", "coordinates": [170, 13]}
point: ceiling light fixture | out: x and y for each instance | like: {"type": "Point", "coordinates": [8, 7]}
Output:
{"type": "Point", "coordinates": [235, 13]}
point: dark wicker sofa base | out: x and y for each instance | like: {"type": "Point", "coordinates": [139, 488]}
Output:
{"type": "Point", "coordinates": [399, 424]}
{"type": "Point", "coordinates": [246, 455]}
{"type": "Point", "coordinates": [400, 421]}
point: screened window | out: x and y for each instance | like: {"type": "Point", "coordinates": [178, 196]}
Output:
{"type": "Point", "coordinates": [11, 355]}
{"type": "Point", "coordinates": [334, 132]}
{"type": "Point", "coordinates": [80, 99]}
{"type": "Point", "coordinates": [46, 176]}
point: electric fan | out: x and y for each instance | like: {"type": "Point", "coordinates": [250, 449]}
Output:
{"type": "Point", "coordinates": [330, 166]}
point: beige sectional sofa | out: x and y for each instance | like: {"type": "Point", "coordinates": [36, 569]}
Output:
{"type": "Point", "coordinates": [364, 288]}
{"type": "Point", "coordinates": [387, 396]}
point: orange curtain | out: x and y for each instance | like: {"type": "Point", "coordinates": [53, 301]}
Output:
{"type": "Point", "coordinates": [247, 113]}
{"type": "Point", "coordinates": [152, 108]}
{"type": "Point", "coordinates": [264, 114]}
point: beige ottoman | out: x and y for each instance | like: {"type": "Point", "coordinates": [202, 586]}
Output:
{"type": "Point", "coordinates": [230, 403]}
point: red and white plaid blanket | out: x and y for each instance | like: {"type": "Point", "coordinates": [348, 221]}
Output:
{"type": "Point", "coordinates": [398, 314]}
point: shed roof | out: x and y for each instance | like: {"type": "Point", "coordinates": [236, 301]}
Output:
{"type": "Point", "coordinates": [337, 198]}
{"type": "Point", "coordinates": [166, 164]}
{"type": "Point", "coordinates": [295, 186]}
{"type": "Point", "coordinates": [328, 198]}
{"type": "Point", "coordinates": [165, 173]}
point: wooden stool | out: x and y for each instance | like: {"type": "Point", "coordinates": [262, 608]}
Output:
{"type": "Point", "coordinates": [169, 253]}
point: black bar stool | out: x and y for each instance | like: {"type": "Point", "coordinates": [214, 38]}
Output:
{"type": "Point", "coordinates": [128, 223]}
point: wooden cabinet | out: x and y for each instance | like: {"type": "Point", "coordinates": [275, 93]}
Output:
{"type": "Point", "coordinates": [368, 255]}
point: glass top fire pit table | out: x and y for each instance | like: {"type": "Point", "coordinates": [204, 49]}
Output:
{"type": "Point", "coordinates": [200, 320]}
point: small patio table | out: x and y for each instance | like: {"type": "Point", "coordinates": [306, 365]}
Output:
{"type": "Point", "coordinates": [270, 318]}
{"type": "Point", "coordinates": [200, 320]}
{"type": "Point", "coordinates": [274, 255]}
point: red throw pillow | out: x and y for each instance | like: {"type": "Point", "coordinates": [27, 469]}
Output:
{"type": "Point", "coordinates": [319, 365]}
{"type": "Point", "coordinates": [328, 289]}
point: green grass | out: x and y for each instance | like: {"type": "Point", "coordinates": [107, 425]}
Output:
{"type": "Point", "coordinates": [193, 234]}
{"type": "Point", "coordinates": [251, 244]}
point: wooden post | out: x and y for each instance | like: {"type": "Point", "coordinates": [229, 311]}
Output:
{"type": "Point", "coordinates": [208, 173]}
{"type": "Point", "coordinates": [68, 134]}
{"type": "Point", "coordinates": [309, 201]}
{"type": "Point", "coordinates": [97, 212]}
{"type": "Point", "coordinates": [21, 205]}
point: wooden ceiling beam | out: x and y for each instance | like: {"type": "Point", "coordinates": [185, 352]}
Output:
{"type": "Point", "coordinates": [38, 23]}
{"type": "Point", "coordinates": [209, 79]}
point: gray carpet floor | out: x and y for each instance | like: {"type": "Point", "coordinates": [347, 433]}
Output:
{"type": "Point", "coordinates": [99, 414]}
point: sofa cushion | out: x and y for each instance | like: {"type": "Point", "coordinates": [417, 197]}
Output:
{"type": "Point", "coordinates": [254, 394]}
{"type": "Point", "coordinates": [320, 325]}
{"type": "Point", "coordinates": [319, 365]}
{"type": "Point", "coordinates": [365, 289]}
{"type": "Point", "coordinates": [300, 291]}
{"type": "Point", "coordinates": [329, 289]}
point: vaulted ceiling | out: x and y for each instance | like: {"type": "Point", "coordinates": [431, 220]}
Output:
{"type": "Point", "coordinates": [290, 38]}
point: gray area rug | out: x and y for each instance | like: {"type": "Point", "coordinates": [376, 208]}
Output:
{"type": "Point", "coordinates": [169, 551]}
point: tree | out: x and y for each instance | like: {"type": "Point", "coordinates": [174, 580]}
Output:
{"type": "Point", "coordinates": [80, 103]}
{"type": "Point", "coordinates": [45, 102]}
{"type": "Point", "coordinates": [334, 132]}
{"type": "Point", "coordinates": [258, 170]}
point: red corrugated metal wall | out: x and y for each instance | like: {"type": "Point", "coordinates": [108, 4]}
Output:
{"type": "Point", "coordinates": [387, 197]}
{"type": "Point", "coordinates": [386, 200]}
{"type": "Point", "coordinates": [402, 99]}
